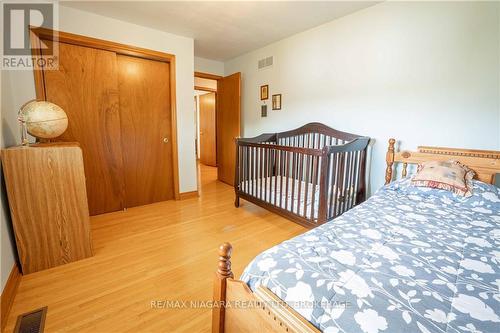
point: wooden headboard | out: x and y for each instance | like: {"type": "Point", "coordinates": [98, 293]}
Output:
{"type": "Point", "coordinates": [486, 163]}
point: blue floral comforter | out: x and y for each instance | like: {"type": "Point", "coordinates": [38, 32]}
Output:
{"type": "Point", "coordinates": [408, 259]}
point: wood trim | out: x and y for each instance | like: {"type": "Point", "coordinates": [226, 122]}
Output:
{"type": "Point", "coordinates": [188, 195]}
{"type": "Point", "coordinates": [69, 38]}
{"type": "Point", "coordinates": [205, 89]}
{"type": "Point", "coordinates": [8, 294]}
{"type": "Point", "coordinates": [486, 163]}
{"type": "Point", "coordinates": [38, 34]}
{"type": "Point", "coordinates": [207, 76]}
{"type": "Point", "coordinates": [460, 152]}
{"type": "Point", "coordinates": [37, 72]}
{"type": "Point", "coordinates": [173, 106]}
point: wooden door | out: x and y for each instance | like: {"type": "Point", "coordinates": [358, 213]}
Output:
{"type": "Point", "coordinates": [207, 129]}
{"type": "Point", "coordinates": [86, 87]}
{"type": "Point", "coordinates": [146, 130]}
{"type": "Point", "coordinates": [228, 125]}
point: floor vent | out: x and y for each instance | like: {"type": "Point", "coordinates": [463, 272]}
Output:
{"type": "Point", "coordinates": [31, 322]}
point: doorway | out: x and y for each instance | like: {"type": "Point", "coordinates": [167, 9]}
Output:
{"type": "Point", "coordinates": [217, 107]}
{"type": "Point", "coordinates": [205, 98]}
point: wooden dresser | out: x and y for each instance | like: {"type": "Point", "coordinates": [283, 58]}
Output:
{"type": "Point", "coordinates": [48, 204]}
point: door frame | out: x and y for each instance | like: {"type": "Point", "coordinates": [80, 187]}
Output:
{"type": "Point", "coordinates": [37, 34]}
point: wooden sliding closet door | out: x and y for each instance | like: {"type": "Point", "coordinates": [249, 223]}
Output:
{"type": "Point", "coordinates": [145, 114]}
{"type": "Point", "coordinates": [86, 87]}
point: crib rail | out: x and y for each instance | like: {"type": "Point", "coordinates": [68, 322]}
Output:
{"type": "Point", "coordinates": [305, 176]}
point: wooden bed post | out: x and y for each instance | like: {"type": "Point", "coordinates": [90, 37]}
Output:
{"type": "Point", "coordinates": [221, 275]}
{"type": "Point", "coordinates": [389, 159]}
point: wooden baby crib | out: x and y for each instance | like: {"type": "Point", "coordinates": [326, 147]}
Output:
{"type": "Point", "coordinates": [309, 175]}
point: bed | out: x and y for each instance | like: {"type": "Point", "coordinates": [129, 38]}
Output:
{"type": "Point", "coordinates": [408, 258]}
{"type": "Point", "coordinates": [309, 175]}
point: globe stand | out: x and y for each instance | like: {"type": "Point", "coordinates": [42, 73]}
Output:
{"type": "Point", "coordinates": [24, 130]}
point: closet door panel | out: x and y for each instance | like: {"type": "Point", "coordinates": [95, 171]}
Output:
{"type": "Point", "coordinates": [86, 87]}
{"type": "Point", "coordinates": [145, 114]}
{"type": "Point", "coordinates": [208, 140]}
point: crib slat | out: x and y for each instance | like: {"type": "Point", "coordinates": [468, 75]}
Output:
{"type": "Point", "coordinates": [344, 183]}
{"type": "Point", "coordinates": [266, 173]}
{"type": "Point", "coordinates": [255, 170]}
{"type": "Point", "coordinates": [340, 185]}
{"type": "Point", "coordinates": [331, 185]}
{"type": "Point", "coordinates": [301, 174]}
{"type": "Point", "coordinates": [261, 176]}
{"type": "Point", "coordinates": [282, 167]}
{"type": "Point", "coordinates": [292, 198]}
{"type": "Point", "coordinates": [348, 185]}
{"type": "Point", "coordinates": [287, 176]}
{"type": "Point", "coordinates": [355, 180]}
{"type": "Point", "coordinates": [275, 173]}
{"type": "Point", "coordinates": [352, 192]}
{"type": "Point", "coordinates": [307, 161]}
{"type": "Point", "coordinates": [351, 181]}
{"type": "Point", "coordinates": [348, 182]}
{"type": "Point", "coordinates": [241, 170]}
{"type": "Point", "coordinates": [282, 174]}
{"type": "Point", "coordinates": [250, 169]}
{"type": "Point", "coordinates": [314, 183]}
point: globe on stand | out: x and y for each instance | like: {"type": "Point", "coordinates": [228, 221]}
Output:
{"type": "Point", "coordinates": [42, 120]}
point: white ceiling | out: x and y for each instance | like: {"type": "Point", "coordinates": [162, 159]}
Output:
{"type": "Point", "coordinates": [223, 30]}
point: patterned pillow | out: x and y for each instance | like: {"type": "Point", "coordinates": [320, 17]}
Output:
{"type": "Point", "coordinates": [446, 175]}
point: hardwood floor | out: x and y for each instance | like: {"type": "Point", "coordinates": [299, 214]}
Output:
{"type": "Point", "coordinates": [164, 251]}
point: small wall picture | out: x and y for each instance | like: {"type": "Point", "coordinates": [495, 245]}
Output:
{"type": "Point", "coordinates": [263, 110]}
{"type": "Point", "coordinates": [264, 92]}
{"type": "Point", "coordinates": [276, 102]}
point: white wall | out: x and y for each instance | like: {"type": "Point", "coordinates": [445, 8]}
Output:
{"type": "Point", "coordinates": [208, 66]}
{"type": "Point", "coordinates": [18, 87]}
{"type": "Point", "coordinates": [424, 73]}
{"type": "Point", "coordinates": [11, 99]}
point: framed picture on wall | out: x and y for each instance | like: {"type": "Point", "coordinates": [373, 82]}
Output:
{"type": "Point", "coordinates": [263, 110]}
{"type": "Point", "coordinates": [276, 101]}
{"type": "Point", "coordinates": [264, 92]}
